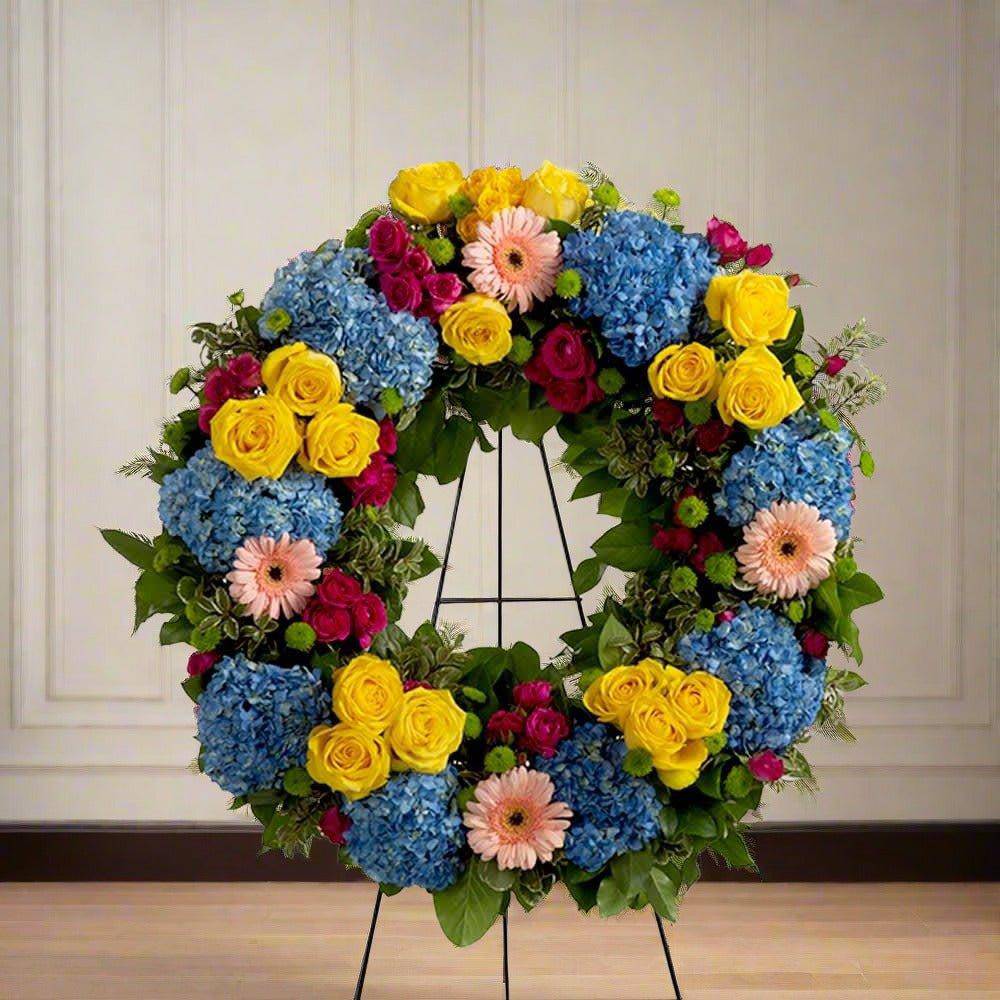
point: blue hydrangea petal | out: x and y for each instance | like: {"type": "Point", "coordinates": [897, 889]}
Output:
{"type": "Point", "coordinates": [254, 721]}
{"type": "Point", "coordinates": [613, 811]}
{"type": "Point", "coordinates": [409, 831]}
{"type": "Point", "coordinates": [777, 690]}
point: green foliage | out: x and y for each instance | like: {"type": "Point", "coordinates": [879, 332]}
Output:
{"type": "Point", "coordinates": [468, 909]}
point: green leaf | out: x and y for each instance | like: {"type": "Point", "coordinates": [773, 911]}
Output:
{"type": "Point", "coordinates": [467, 909]}
{"type": "Point", "coordinates": [739, 781]}
{"type": "Point", "coordinates": [530, 424]}
{"type": "Point", "coordinates": [587, 575]}
{"type": "Point", "coordinates": [155, 593]}
{"type": "Point", "coordinates": [710, 782]}
{"type": "Point", "coordinates": [785, 349]}
{"type": "Point", "coordinates": [858, 592]}
{"type": "Point", "coordinates": [669, 822]}
{"type": "Point", "coordinates": [415, 451]}
{"type": "Point", "coordinates": [662, 894]}
{"type": "Point", "coordinates": [137, 549]}
{"type": "Point", "coordinates": [594, 482]}
{"type": "Point", "coordinates": [297, 782]}
{"type": "Point", "coordinates": [827, 597]}
{"type": "Point", "coordinates": [627, 546]}
{"type": "Point", "coordinates": [406, 504]}
{"type": "Point", "coordinates": [525, 663]}
{"type": "Point", "coordinates": [560, 227]}
{"type": "Point", "coordinates": [733, 850]}
{"type": "Point", "coordinates": [610, 898]}
{"type": "Point", "coordinates": [178, 629]}
{"type": "Point", "coordinates": [613, 501]}
{"type": "Point", "coordinates": [867, 464]}
{"type": "Point", "coordinates": [614, 636]}
{"type": "Point", "coordinates": [630, 871]}
{"type": "Point", "coordinates": [828, 420]}
{"type": "Point", "coordinates": [696, 822]}
{"type": "Point", "coordinates": [584, 894]}
{"type": "Point", "coordinates": [501, 879]}
{"type": "Point", "coordinates": [193, 686]}
{"type": "Point", "coordinates": [451, 452]}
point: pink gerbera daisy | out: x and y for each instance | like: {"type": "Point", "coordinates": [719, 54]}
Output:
{"type": "Point", "coordinates": [514, 259]}
{"type": "Point", "coordinates": [511, 817]}
{"type": "Point", "coordinates": [787, 550]}
{"type": "Point", "coordinates": [274, 576]}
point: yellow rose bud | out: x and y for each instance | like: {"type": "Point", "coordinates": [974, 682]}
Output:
{"type": "Point", "coordinates": [681, 769]}
{"type": "Point", "coordinates": [421, 193]}
{"type": "Point", "coordinates": [339, 442]}
{"type": "Point", "coordinates": [653, 725]}
{"type": "Point", "coordinates": [555, 193]}
{"type": "Point", "coordinates": [755, 391]}
{"type": "Point", "coordinates": [477, 328]}
{"type": "Point", "coordinates": [701, 702]}
{"type": "Point", "coordinates": [753, 307]}
{"type": "Point", "coordinates": [367, 693]}
{"type": "Point", "coordinates": [489, 189]}
{"type": "Point", "coordinates": [427, 729]}
{"type": "Point", "coordinates": [305, 381]}
{"type": "Point", "coordinates": [256, 437]}
{"type": "Point", "coordinates": [685, 373]}
{"type": "Point", "coordinates": [610, 697]}
{"type": "Point", "coordinates": [351, 760]}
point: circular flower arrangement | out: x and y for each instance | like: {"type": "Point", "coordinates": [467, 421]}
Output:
{"type": "Point", "coordinates": [674, 371]}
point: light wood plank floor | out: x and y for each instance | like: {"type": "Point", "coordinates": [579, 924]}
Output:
{"type": "Point", "coordinates": [297, 942]}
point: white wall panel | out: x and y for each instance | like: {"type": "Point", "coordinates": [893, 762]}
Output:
{"type": "Point", "coordinates": [158, 154]}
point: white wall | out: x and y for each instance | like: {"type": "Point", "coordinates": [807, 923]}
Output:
{"type": "Point", "coordinates": [158, 155]}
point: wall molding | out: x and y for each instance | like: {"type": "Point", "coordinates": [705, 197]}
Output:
{"type": "Point", "coordinates": [185, 852]}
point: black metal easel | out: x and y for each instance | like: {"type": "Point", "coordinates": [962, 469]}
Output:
{"type": "Point", "coordinates": [500, 600]}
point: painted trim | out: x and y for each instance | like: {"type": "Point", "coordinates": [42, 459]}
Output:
{"type": "Point", "coordinates": [168, 852]}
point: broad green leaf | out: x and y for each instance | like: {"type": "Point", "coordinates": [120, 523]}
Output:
{"type": "Point", "coordinates": [857, 592]}
{"type": "Point", "coordinates": [614, 636]}
{"type": "Point", "coordinates": [627, 546]}
{"type": "Point", "coordinates": [193, 687]}
{"type": "Point", "coordinates": [584, 894]}
{"type": "Point", "coordinates": [467, 909]}
{"type": "Point", "coordinates": [613, 501]}
{"type": "Point", "coordinates": [525, 662]}
{"type": "Point", "coordinates": [178, 629]}
{"type": "Point", "coordinates": [451, 451]}
{"type": "Point", "coordinates": [630, 871]}
{"type": "Point", "coordinates": [155, 593]}
{"type": "Point", "coordinates": [137, 549]}
{"type": "Point", "coordinates": [662, 894]}
{"type": "Point", "coordinates": [501, 879]}
{"type": "Point", "coordinates": [696, 822]}
{"type": "Point", "coordinates": [610, 898]}
{"type": "Point", "coordinates": [733, 850]}
{"type": "Point", "coordinates": [406, 504]}
{"type": "Point", "coordinates": [668, 822]}
{"type": "Point", "coordinates": [710, 782]}
{"type": "Point", "coordinates": [531, 423]}
{"type": "Point", "coordinates": [587, 575]}
{"type": "Point", "coordinates": [867, 464]}
{"type": "Point", "coordinates": [415, 452]}
{"type": "Point", "coordinates": [594, 482]}
{"type": "Point", "coordinates": [827, 597]}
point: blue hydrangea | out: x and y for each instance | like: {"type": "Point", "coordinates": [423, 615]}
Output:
{"type": "Point", "coordinates": [796, 460]}
{"type": "Point", "coordinates": [332, 308]}
{"type": "Point", "coordinates": [254, 721]}
{"type": "Point", "coordinates": [641, 279]}
{"type": "Point", "coordinates": [408, 832]}
{"type": "Point", "coordinates": [212, 508]}
{"type": "Point", "coordinates": [613, 811]}
{"type": "Point", "coordinates": [776, 688]}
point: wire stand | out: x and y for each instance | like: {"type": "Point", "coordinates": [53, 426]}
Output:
{"type": "Point", "coordinates": [500, 600]}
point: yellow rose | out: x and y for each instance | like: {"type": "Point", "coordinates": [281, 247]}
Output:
{"type": "Point", "coordinates": [339, 442]}
{"type": "Point", "coordinates": [681, 769]}
{"type": "Point", "coordinates": [427, 729]}
{"type": "Point", "coordinates": [701, 702]}
{"type": "Point", "coordinates": [478, 328]}
{"type": "Point", "coordinates": [684, 373]}
{"type": "Point", "coordinates": [753, 307]}
{"type": "Point", "coordinates": [257, 436]}
{"type": "Point", "coordinates": [755, 391]}
{"type": "Point", "coordinates": [489, 189]}
{"type": "Point", "coordinates": [611, 696]}
{"type": "Point", "coordinates": [349, 759]}
{"type": "Point", "coordinates": [305, 381]}
{"type": "Point", "coordinates": [421, 193]}
{"type": "Point", "coordinates": [652, 724]}
{"type": "Point", "coordinates": [555, 193]}
{"type": "Point", "coordinates": [367, 693]}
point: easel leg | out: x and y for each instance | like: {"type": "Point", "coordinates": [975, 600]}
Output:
{"type": "Point", "coordinates": [368, 948]}
{"type": "Point", "coordinates": [506, 969]}
{"type": "Point", "coordinates": [666, 954]}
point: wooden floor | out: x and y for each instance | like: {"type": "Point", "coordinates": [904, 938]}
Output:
{"type": "Point", "coordinates": [296, 942]}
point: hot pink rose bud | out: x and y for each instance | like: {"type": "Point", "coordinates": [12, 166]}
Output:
{"type": "Point", "coordinates": [533, 694]}
{"type": "Point", "coordinates": [411, 684]}
{"type": "Point", "coordinates": [814, 643]}
{"type": "Point", "coordinates": [504, 726]}
{"type": "Point", "coordinates": [334, 826]}
{"type": "Point", "coordinates": [724, 616]}
{"type": "Point", "coordinates": [760, 255]}
{"type": "Point", "coordinates": [726, 239]}
{"type": "Point", "coordinates": [834, 365]}
{"type": "Point", "coordinates": [388, 240]}
{"type": "Point", "coordinates": [199, 663]}
{"type": "Point", "coordinates": [544, 729]}
{"type": "Point", "coordinates": [766, 766]}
